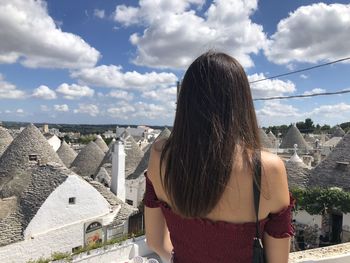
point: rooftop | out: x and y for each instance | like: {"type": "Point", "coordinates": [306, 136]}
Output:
{"type": "Point", "coordinates": [15, 160]}
{"type": "Point", "coordinates": [88, 160]}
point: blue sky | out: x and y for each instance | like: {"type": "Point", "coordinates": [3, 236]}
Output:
{"type": "Point", "coordinates": [102, 62]}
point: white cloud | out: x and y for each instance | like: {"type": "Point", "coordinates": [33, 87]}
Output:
{"type": "Point", "coordinates": [276, 113]}
{"type": "Point", "coordinates": [127, 15]}
{"type": "Point", "coordinates": [270, 87]}
{"type": "Point", "coordinates": [175, 34]}
{"type": "Point", "coordinates": [29, 35]}
{"type": "Point", "coordinates": [314, 91]}
{"type": "Point", "coordinates": [44, 92]}
{"type": "Point", "coordinates": [74, 91]}
{"type": "Point", "coordinates": [165, 95]}
{"type": "Point", "coordinates": [152, 111]}
{"type": "Point", "coordinates": [61, 108]}
{"type": "Point", "coordinates": [277, 109]}
{"type": "Point", "coordinates": [140, 110]}
{"type": "Point", "coordinates": [9, 91]}
{"type": "Point", "coordinates": [99, 13]}
{"type": "Point", "coordinates": [303, 76]}
{"type": "Point", "coordinates": [7, 111]}
{"type": "Point", "coordinates": [90, 109]}
{"type": "Point", "coordinates": [121, 94]}
{"type": "Point", "coordinates": [313, 33]}
{"type": "Point", "coordinates": [121, 110]}
{"type": "Point", "coordinates": [112, 77]}
{"type": "Point", "coordinates": [21, 113]}
{"type": "Point", "coordinates": [335, 110]}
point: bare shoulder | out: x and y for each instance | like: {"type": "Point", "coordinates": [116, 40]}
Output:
{"type": "Point", "coordinates": [272, 162]}
{"type": "Point", "coordinates": [153, 170]}
{"type": "Point", "coordinates": [275, 174]}
{"type": "Point", "coordinates": [158, 145]}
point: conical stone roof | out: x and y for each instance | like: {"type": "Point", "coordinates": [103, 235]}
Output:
{"type": "Point", "coordinates": [264, 139]}
{"type": "Point", "coordinates": [101, 143]}
{"type": "Point", "coordinates": [142, 166]}
{"type": "Point", "coordinates": [332, 142]}
{"type": "Point", "coordinates": [271, 136]}
{"type": "Point", "coordinates": [103, 177]}
{"type": "Point", "coordinates": [292, 137]}
{"type": "Point", "coordinates": [334, 170]}
{"type": "Point", "coordinates": [5, 139]}
{"type": "Point", "coordinates": [107, 159]}
{"type": "Point", "coordinates": [133, 153]}
{"type": "Point", "coordinates": [164, 134]}
{"type": "Point", "coordinates": [66, 154]}
{"type": "Point", "coordinates": [88, 160]}
{"type": "Point", "coordinates": [338, 132]}
{"type": "Point", "coordinates": [298, 174]}
{"type": "Point", "coordinates": [14, 162]}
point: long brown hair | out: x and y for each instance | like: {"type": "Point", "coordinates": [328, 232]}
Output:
{"type": "Point", "coordinates": [214, 114]}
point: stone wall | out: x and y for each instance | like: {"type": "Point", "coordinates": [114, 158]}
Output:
{"type": "Point", "coordinates": [116, 253]}
{"type": "Point", "coordinates": [60, 240]}
{"type": "Point", "coordinates": [332, 254]}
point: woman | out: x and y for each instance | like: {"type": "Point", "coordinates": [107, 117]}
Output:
{"type": "Point", "coordinates": [199, 184]}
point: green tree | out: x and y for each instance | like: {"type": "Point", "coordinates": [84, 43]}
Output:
{"type": "Point", "coordinates": [325, 128]}
{"type": "Point", "coordinates": [309, 125]}
{"type": "Point", "coordinates": [306, 126]}
{"type": "Point", "coordinates": [319, 201]}
{"type": "Point", "coordinates": [86, 139]}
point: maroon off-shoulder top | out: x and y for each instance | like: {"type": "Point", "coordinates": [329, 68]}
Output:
{"type": "Point", "coordinates": [201, 240]}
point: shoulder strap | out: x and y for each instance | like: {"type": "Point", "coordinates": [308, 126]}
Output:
{"type": "Point", "coordinates": [256, 189]}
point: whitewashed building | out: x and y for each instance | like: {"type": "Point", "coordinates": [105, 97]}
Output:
{"type": "Point", "coordinates": [136, 181]}
{"type": "Point", "coordinates": [333, 171]}
{"type": "Point", "coordinates": [53, 140]}
{"type": "Point", "coordinates": [46, 208]}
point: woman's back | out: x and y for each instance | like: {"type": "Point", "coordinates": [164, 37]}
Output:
{"type": "Point", "coordinates": [200, 180]}
{"type": "Point", "coordinates": [236, 203]}
{"type": "Point", "coordinates": [226, 233]}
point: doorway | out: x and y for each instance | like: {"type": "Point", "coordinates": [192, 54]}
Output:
{"type": "Point", "coordinates": [336, 228]}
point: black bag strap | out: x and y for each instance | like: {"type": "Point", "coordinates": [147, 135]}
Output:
{"type": "Point", "coordinates": [256, 190]}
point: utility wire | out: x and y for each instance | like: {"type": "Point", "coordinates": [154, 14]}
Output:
{"type": "Point", "coordinates": [301, 70]}
{"type": "Point", "coordinates": [304, 95]}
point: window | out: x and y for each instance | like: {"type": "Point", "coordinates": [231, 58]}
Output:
{"type": "Point", "coordinates": [33, 157]}
{"type": "Point", "coordinates": [71, 200]}
{"type": "Point", "coordinates": [130, 202]}
{"type": "Point", "coordinates": [342, 166]}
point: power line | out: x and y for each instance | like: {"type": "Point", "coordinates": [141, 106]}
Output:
{"type": "Point", "coordinates": [304, 95]}
{"type": "Point", "coordinates": [301, 70]}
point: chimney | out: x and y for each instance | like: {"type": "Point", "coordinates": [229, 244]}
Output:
{"type": "Point", "coordinates": [118, 170]}
{"type": "Point", "coordinates": [307, 159]}
{"type": "Point", "coordinates": [46, 128]}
